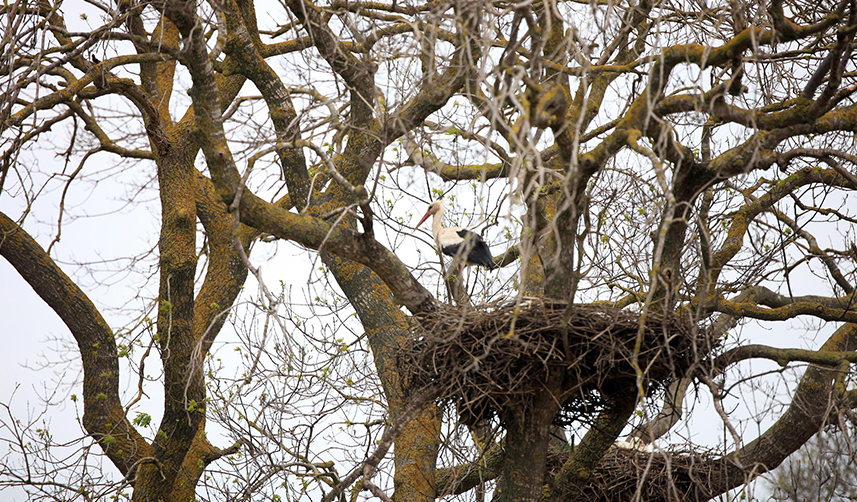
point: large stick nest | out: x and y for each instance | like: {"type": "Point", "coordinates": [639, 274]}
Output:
{"type": "Point", "coordinates": [662, 476]}
{"type": "Point", "coordinates": [491, 357]}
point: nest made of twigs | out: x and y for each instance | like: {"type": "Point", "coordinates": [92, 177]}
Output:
{"type": "Point", "coordinates": [489, 357]}
{"type": "Point", "coordinates": [673, 476]}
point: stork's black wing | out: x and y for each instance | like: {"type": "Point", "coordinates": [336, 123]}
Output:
{"type": "Point", "coordinates": [474, 252]}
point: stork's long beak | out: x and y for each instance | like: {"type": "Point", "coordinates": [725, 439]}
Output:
{"type": "Point", "coordinates": [425, 217]}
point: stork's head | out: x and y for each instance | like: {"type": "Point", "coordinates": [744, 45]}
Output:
{"type": "Point", "coordinates": [434, 208]}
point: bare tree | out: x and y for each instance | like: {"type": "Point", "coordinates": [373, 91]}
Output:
{"type": "Point", "coordinates": [652, 175]}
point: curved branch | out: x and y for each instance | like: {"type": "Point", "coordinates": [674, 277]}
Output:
{"type": "Point", "coordinates": [316, 233]}
{"type": "Point", "coordinates": [449, 172]}
{"type": "Point", "coordinates": [104, 417]}
{"type": "Point", "coordinates": [282, 111]}
{"type": "Point", "coordinates": [742, 218]}
{"type": "Point", "coordinates": [667, 416]}
{"type": "Point", "coordinates": [107, 144]}
{"type": "Point", "coordinates": [816, 251]}
{"type": "Point", "coordinates": [436, 90]}
{"type": "Point", "coordinates": [829, 309]}
{"type": "Point", "coordinates": [99, 72]}
{"type": "Point", "coordinates": [783, 356]}
{"type": "Point", "coordinates": [806, 415]}
{"type": "Point", "coordinates": [368, 466]}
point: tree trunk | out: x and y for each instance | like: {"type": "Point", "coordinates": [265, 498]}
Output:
{"type": "Point", "coordinates": [528, 434]}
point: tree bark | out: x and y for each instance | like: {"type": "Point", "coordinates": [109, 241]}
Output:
{"type": "Point", "coordinates": [528, 427]}
{"type": "Point", "coordinates": [103, 416]}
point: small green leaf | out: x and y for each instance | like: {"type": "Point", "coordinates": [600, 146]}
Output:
{"type": "Point", "coordinates": [142, 419]}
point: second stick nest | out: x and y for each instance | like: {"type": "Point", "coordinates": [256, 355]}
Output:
{"type": "Point", "coordinates": [488, 358]}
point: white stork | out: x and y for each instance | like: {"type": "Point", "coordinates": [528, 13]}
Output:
{"type": "Point", "coordinates": [458, 241]}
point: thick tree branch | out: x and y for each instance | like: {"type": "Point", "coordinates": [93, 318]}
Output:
{"type": "Point", "coordinates": [104, 417]}
{"type": "Point", "coordinates": [226, 272]}
{"type": "Point", "coordinates": [252, 64]}
{"type": "Point", "coordinates": [782, 357]}
{"type": "Point", "coordinates": [807, 414]}
{"type": "Point", "coordinates": [830, 309]}
{"type": "Point", "coordinates": [462, 478]}
{"type": "Point", "coordinates": [578, 468]}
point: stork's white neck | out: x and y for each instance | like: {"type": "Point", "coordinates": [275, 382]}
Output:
{"type": "Point", "coordinates": [437, 223]}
